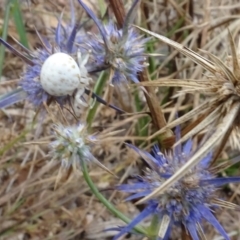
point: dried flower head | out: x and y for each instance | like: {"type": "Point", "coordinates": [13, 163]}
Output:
{"type": "Point", "coordinates": [54, 65]}
{"type": "Point", "coordinates": [221, 108]}
{"type": "Point", "coordinates": [120, 49]}
{"type": "Point", "coordinates": [72, 145]}
{"type": "Point", "coordinates": [189, 201]}
{"type": "Point", "coordinates": [218, 114]}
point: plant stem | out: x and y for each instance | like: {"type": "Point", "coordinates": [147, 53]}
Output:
{"type": "Point", "coordinates": [4, 33]}
{"type": "Point", "coordinates": [104, 201]}
{"type": "Point", "coordinates": [154, 227]}
{"type": "Point", "coordinates": [98, 88]}
{"type": "Point", "coordinates": [119, 11]}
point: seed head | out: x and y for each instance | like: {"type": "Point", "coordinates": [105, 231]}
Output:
{"type": "Point", "coordinates": [72, 144]}
{"type": "Point", "coordinates": [221, 110]}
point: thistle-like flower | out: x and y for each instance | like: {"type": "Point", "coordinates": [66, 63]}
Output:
{"type": "Point", "coordinates": [189, 201]}
{"type": "Point", "coordinates": [72, 145]}
{"type": "Point", "coordinates": [222, 89]}
{"type": "Point", "coordinates": [218, 114]}
{"type": "Point", "coordinates": [55, 72]}
{"type": "Point", "coordinates": [120, 49]}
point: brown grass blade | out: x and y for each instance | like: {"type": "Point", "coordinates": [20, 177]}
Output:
{"type": "Point", "coordinates": [207, 121]}
{"type": "Point", "coordinates": [235, 62]}
{"type": "Point", "coordinates": [223, 67]}
{"type": "Point", "coordinates": [205, 63]}
{"type": "Point", "coordinates": [186, 117]}
{"type": "Point", "coordinates": [225, 204]}
{"type": "Point", "coordinates": [187, 83]}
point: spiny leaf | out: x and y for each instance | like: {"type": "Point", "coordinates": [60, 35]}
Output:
{"type": "Point", "coordinates": [12, 97]}
{"type": "Point", "coordinates": [16, 52]}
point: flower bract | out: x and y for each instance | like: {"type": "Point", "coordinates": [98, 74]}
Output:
{"type": "Point", "coordinates": [189, 201]}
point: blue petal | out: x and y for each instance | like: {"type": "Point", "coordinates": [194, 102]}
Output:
{"type": "Point", "coordinates": [178, 148]}
{"type": "Point", "coordinates": [145, 213]}
{"type": "Point", "coordinates": [70, 41]}
{"type": "Point", "coordinates": [191, 227]}
{"type": "Point", "coordinates": [220, 181]}
{"type": "Point", "coordinates": [206, 161]}
{"type": "Point", "coordinates": [159, 157]}
{"type": "Point", "coordinates": [58, 33]}
{"type": "Point", "coordinates": [17, 53]}
{"type": "Point", "coordinates": [187, 147]}
{"type": "Point", "coordinates": [133, 187]}
{"type": "Point", "coordinates": [97, 22]}
{"type": "Point", "coordinates": [150, 160]}
{"type": "Point", "coordinates": [138, 195]}
{"type": "Point", "coordinates": [12, 97]}
{"type": "Point", "coordinates": [207, 214]}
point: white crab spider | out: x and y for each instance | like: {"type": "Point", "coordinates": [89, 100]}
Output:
{"type": "Point", "coordinates": [61, 75]}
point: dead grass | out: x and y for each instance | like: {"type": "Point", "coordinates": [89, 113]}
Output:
{"type": "Point", "coordinates": [32, 205]}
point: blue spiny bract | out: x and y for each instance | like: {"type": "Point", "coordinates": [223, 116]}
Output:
{"type": "Point", "coordinates": [67, 40]}
{"type": "Point", "coordinates": [120, 49]}
{"type": "Point", "coordinates": [189, 201]}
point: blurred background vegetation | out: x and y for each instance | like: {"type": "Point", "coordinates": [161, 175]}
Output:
{"type": "Point", "coordinates": [32, 205]}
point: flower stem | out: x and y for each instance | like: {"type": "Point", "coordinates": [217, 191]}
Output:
{"type": "Point", "coordinates": [98, 88]}
{"type": "Point", "coordinates": [104, 201]}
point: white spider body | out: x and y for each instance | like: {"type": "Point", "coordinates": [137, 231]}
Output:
{"type": "Point", "coordinates": [61, 75]}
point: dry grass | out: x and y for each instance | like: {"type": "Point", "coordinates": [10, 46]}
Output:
{"type": "Point", "coordinates": [38, 199]}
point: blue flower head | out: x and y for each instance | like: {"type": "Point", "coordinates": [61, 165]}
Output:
{"type": "Point", "coordinates": [189, 201]}
{"type": "Point", "coordinates": [120, 49]}
{"type": "Point", "coordinates": [67, 40]}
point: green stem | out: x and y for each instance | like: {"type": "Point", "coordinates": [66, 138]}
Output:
{"type": "Point", "coordinates": [141, 128]}
{"type": "Point", "coordinates": [105, 202]}
{"type": "Point", "coordinates": [19, 23]}
{"type": "Point", "coordinates": [98, 88]}
{"type": "Point", "coordinates": [4, 34]}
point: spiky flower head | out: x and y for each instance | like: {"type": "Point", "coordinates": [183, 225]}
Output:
{"type": "Point", "coordinates": [66, 42]}
{"type": "Point", "coordinates": [218, 115]}
{"type": "Point", "coordinates": [120, 49]}
{"type": "Point", "coordinates": [221, 110]}
{"type": "Point", "coordinates": [189, 201]}
{"type": "Point", "coordinates": [72, 145]}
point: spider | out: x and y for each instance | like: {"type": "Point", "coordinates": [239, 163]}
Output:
{"type": "Point", "coordinates": [61, 75]}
